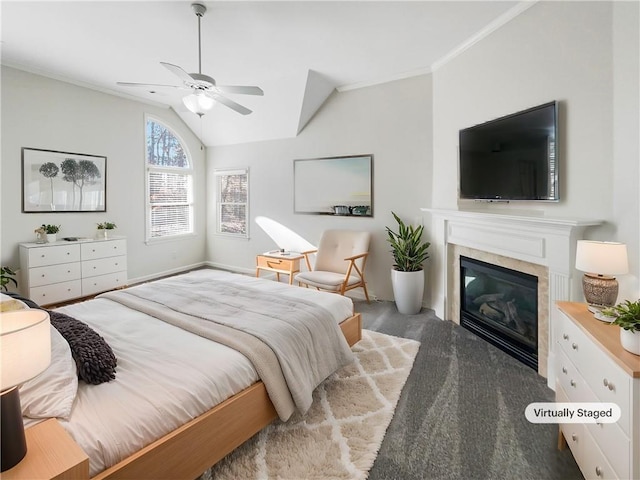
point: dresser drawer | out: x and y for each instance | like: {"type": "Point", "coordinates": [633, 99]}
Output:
{"type": "Point", "coordinates": [42, 256]}
{"type": "Point", "coordinates": [103, 266]}
{"type": "Point", "coordinates": [57, 292]}
{"type": "Point", "coordinates": [610, 384]}
{"type": "Point", "coordinates": [111, 248]}
{"type": "Point", "coordinates": [614, 445]}
{"type": "Point", "coordinates": [54, 274]}
{"type": "Point", "coordinates": [572, 432]}
{"type": "Point", "coordinates": [103, 283]}
{"type": "Point", "coordinates": [573, 384]}
{"type": "Point", "coordinates": [594, 465]}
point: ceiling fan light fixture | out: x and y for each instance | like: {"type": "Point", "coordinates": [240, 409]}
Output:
{"type": "Point", "coordinates": [198, 103]}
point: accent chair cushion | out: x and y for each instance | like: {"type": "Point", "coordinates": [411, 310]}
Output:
{"type": "Point", "coordinates": [326, 280]}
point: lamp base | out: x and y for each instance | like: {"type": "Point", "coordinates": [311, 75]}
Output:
{"type": "Point", "coordinates": [14, 444]}
{"type": "Point", "coordinates": [599, 290]}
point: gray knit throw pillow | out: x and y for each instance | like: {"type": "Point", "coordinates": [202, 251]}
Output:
{"type": "Point", "coordinates": [94, 358]}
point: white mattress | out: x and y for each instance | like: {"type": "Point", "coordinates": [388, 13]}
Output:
{"type": "Point", "coordinates": [165, 376]}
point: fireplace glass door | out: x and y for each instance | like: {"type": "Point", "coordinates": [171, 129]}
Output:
{"type": "Point", "coordinates": [501, 306]}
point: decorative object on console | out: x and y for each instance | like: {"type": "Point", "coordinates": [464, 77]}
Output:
{"type": "Point", "coordinates": [6, 276]}
{"type": "Point", "coordinates": [26, 352]}
{"type": "Point", "coordinates": [104, 227]}
{"type": "Point", "coordinates": [57, 182]}
{"type": "Point", "coordinates": [600, 261]}
{"type": "Point", "coordinates": [407, 276]}
{"type": "Point", "coordinates": [627, 317]}
{"type": "Point", "coordinates": [51, 231]}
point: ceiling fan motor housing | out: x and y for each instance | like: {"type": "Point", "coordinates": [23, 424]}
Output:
{"type": "Point", "coordinates": [199, 9]}
{"type": "Point", "coordinates": [202, 81]}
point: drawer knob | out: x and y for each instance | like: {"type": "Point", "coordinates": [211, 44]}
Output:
{"type": "Point", "coordinates": [565, 336]}
{"type": "Point", "coordinates": [608, 384]}
{"type": "Point", "coordinates": [574, 346]}
{"type": "Point", "coordinates": [573, 383]}
{"type": "Point", "coordinates": [43, 275]}
{"type": "Point", "coordinates": [42, 255]}
{"type": "Point", "coordinates": [598, 471]}
{"type": "Point", "coordinates": [564, 370]}
{"type": "Point", "coordinates": [574, 437]}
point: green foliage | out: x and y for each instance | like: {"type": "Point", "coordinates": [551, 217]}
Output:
{"type": "Point", "coordinates": [409, 251]}
{"type": "Point", "coordinates": [627, 315]}
{"type": "Point", "coordinates": [106, 226]}
{"type": "Point", "coordinates": [6, 276]}
{"type": "Point", "coordinates": [50, 228]}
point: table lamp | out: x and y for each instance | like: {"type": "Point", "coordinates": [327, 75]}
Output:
{"type": "Point", "coordinates": [600, 261]}
{"type": "Point", "coordinates": [25, 352]}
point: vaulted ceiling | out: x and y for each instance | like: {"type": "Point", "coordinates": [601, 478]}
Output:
{"type": "Point", "coordinates": [298, 52]}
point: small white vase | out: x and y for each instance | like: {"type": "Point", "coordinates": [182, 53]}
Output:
{"type": "Point", "coordinates": [408, 289]}
{"type": "Point", "coordinates": [630, 341]}
{"type": "Point", "coordinates": [52, 237]}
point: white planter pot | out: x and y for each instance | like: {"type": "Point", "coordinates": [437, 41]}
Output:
{"type": "Point", "coordinates": [52, 237]}
{"type": "Point", "coordinates": [408, 289]}
{"type": "Point", "coordinates": [630, 341]}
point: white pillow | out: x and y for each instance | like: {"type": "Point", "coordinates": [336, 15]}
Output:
{"type": "Point", "coordinates": [51, 394]}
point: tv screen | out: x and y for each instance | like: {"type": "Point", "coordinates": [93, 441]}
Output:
{"type": "Point", "coordinates": [512, 158]}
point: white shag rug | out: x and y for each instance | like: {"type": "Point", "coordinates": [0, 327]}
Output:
{"type": "Point", "coordinates": [341, 434]}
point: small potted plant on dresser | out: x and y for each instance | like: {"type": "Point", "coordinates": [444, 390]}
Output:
{"type": "Point", "coordinates": [51, 231]}
{"type": "Point", "coordinates": [407, 275]}
{"type": "Point", "coordinates": [627, 317]}
{"type": "Point", "coordinates": [104, 228]}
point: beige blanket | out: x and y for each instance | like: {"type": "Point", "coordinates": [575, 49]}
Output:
{"type": "Point", "coordinates": [294, 345]}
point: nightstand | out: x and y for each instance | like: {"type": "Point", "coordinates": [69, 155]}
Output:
{"type": "Point", "coordinates": [279, 263]}
{"type": "Point", "coordinates": [51, 455]}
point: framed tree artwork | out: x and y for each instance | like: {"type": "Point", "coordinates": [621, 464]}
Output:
{"type": "Point", "coordinates": [55, 181]}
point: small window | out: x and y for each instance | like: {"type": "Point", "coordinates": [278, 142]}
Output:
{"type": "Point", "coordinates": [169, 183]}
{"type": "Point", "coordinates": [232, 202]}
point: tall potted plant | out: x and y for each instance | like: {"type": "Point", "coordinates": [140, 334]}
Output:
{"type": "Point", "coordinates": [407, 276]}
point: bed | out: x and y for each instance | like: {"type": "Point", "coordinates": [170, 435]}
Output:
{"type": "Point", "coordinates": [182, 400]}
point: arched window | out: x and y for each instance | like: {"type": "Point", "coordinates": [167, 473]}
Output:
{"type": "Point", "coordinates": [169, 183]}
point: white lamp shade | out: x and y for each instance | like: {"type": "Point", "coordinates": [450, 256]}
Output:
{"type": "Point", "coordinates": [25, 346]}
{"type": "Point", "coordinates": [199, 103]}
{"type": "Point", "coordinates": [602, 258]}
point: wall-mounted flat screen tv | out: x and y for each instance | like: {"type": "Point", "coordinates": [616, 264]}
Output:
{"type": "Point", "coordinates": [512, 158]}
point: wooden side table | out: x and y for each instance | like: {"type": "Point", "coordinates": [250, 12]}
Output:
{"type": "Point", "coordinates": [279, 263]}
{"type": "Point", "coordinates": [51, 455]}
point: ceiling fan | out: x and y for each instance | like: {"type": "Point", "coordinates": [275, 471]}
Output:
{"type": "Point", "coordinates": [205, 92]}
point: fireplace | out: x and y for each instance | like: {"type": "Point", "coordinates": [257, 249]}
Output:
{"type": "Point", "coordinates": [500, 305]}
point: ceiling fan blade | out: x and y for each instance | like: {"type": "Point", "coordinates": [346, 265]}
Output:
{"type": "Point", "coordinates": [240, 89]}
{"type": "Point", "coordinates": [231, 104]}
{"type": "Point", "coordinates": [176, 70]}
{"type": "Point", "coordinates": [147, 85]}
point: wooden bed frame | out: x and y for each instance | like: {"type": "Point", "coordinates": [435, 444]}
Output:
{"type": "Point", "coordinates": [191, 449]}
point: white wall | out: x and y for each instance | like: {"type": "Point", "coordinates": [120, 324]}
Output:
{"type": "Point", "coordinates": [561, 51]}
{"type": "Point", "coordinates": [390, 121]}
{"type": "Point", "coordinates": [42, 113]}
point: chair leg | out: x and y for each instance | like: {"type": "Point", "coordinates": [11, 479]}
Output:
{"type": "Point", "coordinates": [366, 294]}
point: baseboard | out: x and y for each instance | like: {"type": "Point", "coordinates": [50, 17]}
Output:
{"type": "Point", "coordinates": [166, 273]}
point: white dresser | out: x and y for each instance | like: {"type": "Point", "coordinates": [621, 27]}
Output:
{"type": "Point", "coordinates": [592, 366]}
{"type": "Point", "coordinates": [61, 271]}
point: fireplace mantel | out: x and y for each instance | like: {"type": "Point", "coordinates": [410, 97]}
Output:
{"type": "Point", "coordinates": [533, 238]}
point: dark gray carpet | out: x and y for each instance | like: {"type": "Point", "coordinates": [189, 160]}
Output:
{"type": "Point", "coordinates": [461, 413]}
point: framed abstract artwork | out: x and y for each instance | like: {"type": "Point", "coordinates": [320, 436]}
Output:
{"type": "Point", "coordinates": [334, 186]}
{"type": "Point", "coordinates": [56, 182]}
